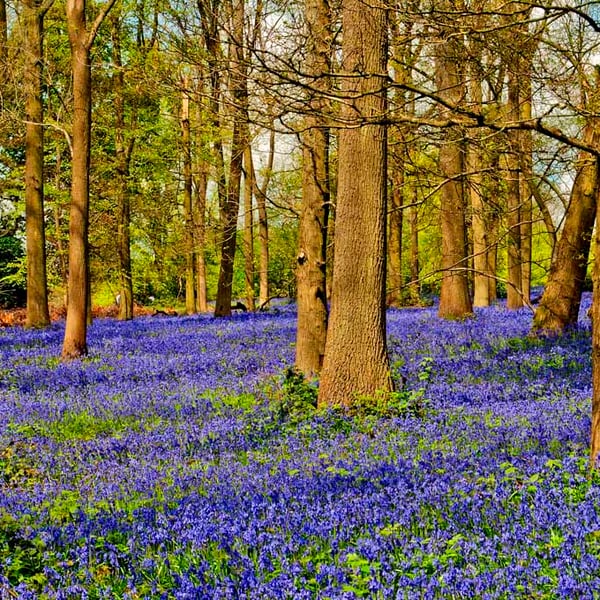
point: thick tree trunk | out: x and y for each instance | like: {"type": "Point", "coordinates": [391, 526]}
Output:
{"type": "Point", "coordinates": [455, 301]}
{"type": "Point", "coordinates": [188, 216]}
{"type": "Point", "coordinates": [312, 233]}
{"type": "Point", "coordinates": [122, 158]}
{"type": "Point", "coordinates": [356, 361]}
{"type": "Point", "coordinates": [559, 307]}
{"type": "Point", "coordinates": [37, 291]}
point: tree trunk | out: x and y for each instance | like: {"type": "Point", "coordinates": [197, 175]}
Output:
{"type": "Point", "coordinates": [3, 37]}
{"type": "Point", "coordinates": [559, 307]}
{"type": "Point", "coordinates": [356, 362]}
{"type": "Point", "coordinates": [455, 301]}
{"type": "Point", "coordinates": [396, 222]}
{"type": "Point", "coordinates": [80, 40]}
{"type": "Point", "coordinates": [37, 290]}
{"type": "Point", "coordinates": [200, 239]}
{"type": "Point", "coordinates": [595, 429]}
{"type": "Point", "coordinates": [263, 224]}
{"type": "Point", "coordinates": [188, 217]}
{"type": "Point", "coordinates": [312, 232]}
{"type": "Point", "coordinates": [122, 158]}
{"type": "Point", "coordinates": [238, 144]}
{"type": "Point", "coordinates": [414, 287]}
{"type": "Point", "coordinates": [249, 228]}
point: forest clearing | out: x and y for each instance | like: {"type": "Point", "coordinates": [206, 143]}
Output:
{"type": "Point", "coordinates": [177, 460]}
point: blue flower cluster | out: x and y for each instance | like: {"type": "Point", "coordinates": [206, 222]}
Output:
{"type": "Point", "coordinates": [160, 466]}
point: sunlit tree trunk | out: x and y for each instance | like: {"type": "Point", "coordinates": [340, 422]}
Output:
{"type": "Point", "coordinates": [312, 232]}
{"type": "Point", "coordinates": [249, 228]}
{"type": "Point", "coordinates": [188, 217]}
{"type": "Point", "coordinates": [356, 361]}
{"type": "Point", "coordinates": [455, 301]}
{"type": "Point", "coordinates": [199, 209]}
{"type": "Point", "coordinates": [80, 40]}
{"type": "Point", "coordinates": [559, 306]}
{"type": "Point", "coordinates": [37, 290]}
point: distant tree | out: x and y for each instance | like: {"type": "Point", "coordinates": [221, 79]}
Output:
{"type": "Point", "coordinates": [81, 39]}
{"type": "Point", "coordinates": [356, 361]}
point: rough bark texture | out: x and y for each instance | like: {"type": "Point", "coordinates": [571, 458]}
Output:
{"type": "Point", "coordinates": [559, 307]}
{"type": "Point", "coordinates": [312, 243]}
{"type": "Point", "coordinates": [455, 301]}
{"type": "Point", "coordinates": [201, 179]}
{"type": "Point", "coordinates": [37, 295]}
{"type": "Point", "coordinates": [356, 362]}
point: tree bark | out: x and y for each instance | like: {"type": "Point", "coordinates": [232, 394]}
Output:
{"type": "Point", "coordinates": [37, 289]}
{"type": "Point", "coordinates": [188, 217]}
{"type": "Point", "coordinates": [249, 228]}
{"type": "Point", "coordinates": [455, 301]}
{"type": "Point", "coordinates": [595, 428]}
{"type": "Point", "coordinates": [396, 223]}
{"type": "Point", "coordinates": [232, 204]}
{"type": "Point", "coordinates": [356, 362]}
{"type": "Point", "coordinates": [80, 40]}
{"type": "Point", "coordinates": [312, 232]}
{"type": "Point", "coordinates": [414, 287]}
{"type": "Point", "coordinates": [559, 306]}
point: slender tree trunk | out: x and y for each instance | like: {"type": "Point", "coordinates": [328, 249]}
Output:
{"type": "Point", "coordinates": [356, 361]}
{"type": "Point", "coordinates": [249, 228]}
{"type": "Point", "coordinates": [415, 269]}
{"type": "Point", "coordinates": [559, 307]}
{"type": "Point", "coordinates": [37, 290]}
{"type": "Point", "coordinates": [396, 223]}
{"type": "Point", "coordinates": [238, 144]}
{"type": "Point", "coordinates": [80, 40]}
{"type": "Point", "coordinates": [263, 224]}
{"type": "Point", "coordinates": [189, 250]}
{"type": "Point", "coordinates": [455, 301]}
{"type": "Point", "coordinates": [122, 158]}
{"type": "Point", "coordinates": [312, 233]}
{"type": "Point", "coordinates": [200, 239]}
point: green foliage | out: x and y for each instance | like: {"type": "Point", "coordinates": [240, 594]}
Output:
{"type": "Point", "coordinates": [298, 397]}
{"type": "Point", "coordinates": [12, 273]}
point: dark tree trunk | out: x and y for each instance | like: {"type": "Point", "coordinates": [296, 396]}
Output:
{"type": "Point", "coordinates": [232, 203]}
{"type": "Point", "coordinates": [37, 290]}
